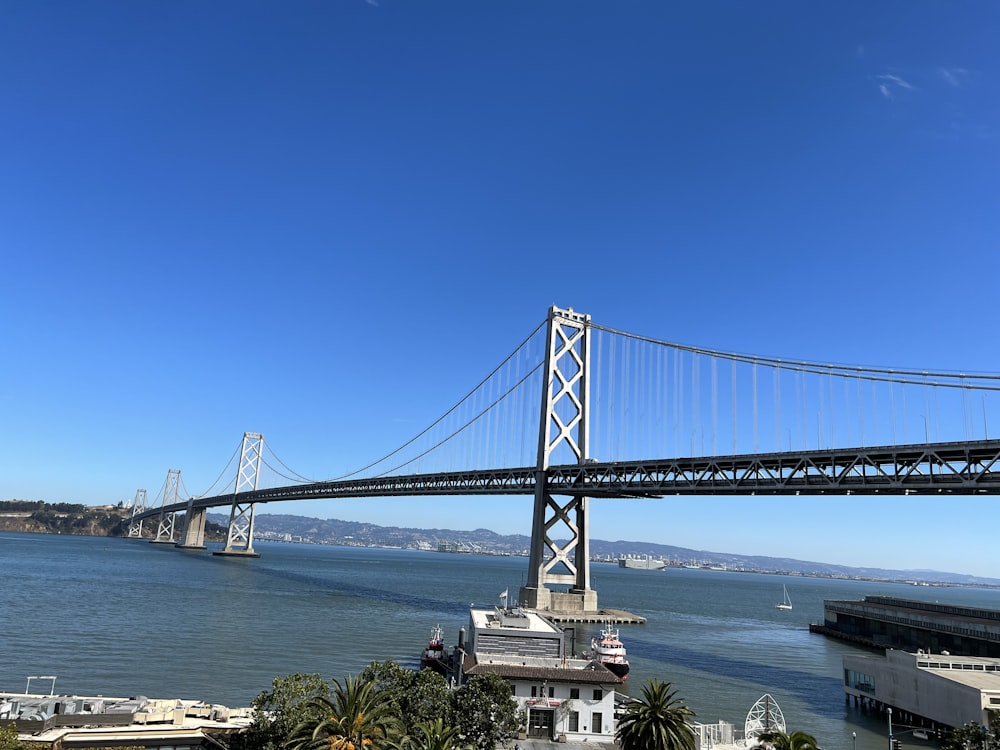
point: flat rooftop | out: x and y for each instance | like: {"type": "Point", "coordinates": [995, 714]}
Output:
{"type": "Point", "coordinates": [518, 621]}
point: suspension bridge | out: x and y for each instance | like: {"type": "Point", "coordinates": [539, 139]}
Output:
{"type": "Point", "coordinates": [579, 411]}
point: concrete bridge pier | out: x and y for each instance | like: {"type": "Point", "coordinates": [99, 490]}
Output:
{"type": "Point", "coordinates": [194, 528]}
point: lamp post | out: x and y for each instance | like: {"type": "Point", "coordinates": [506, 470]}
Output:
{"type": "Point", "coordinates": [889, 709]}
{"type": "Point", "coordinates": [854, 736]}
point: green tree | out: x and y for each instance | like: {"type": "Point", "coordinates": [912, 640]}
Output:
{"type": "Point", "coordinates": [278, 711]}
{"type": "Point", "coordinates": [974, 736]}
{"type": "Point", "coordinates": [357, 716]}
{"type": "Point", "coordinates": [418, 697]}
{"type": "Point", "coordinates": [434, 735]}
{"type": "Point", "coordinates": [657, 721]}
{"type": "Point", "coordinates": [484, 712]}
{"type": "Point", "coordinates": [784, 741]}
{"type": "Point", "coordinates": [8, 736]}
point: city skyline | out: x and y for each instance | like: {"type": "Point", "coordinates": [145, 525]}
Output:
{"type": "Point", "coordinates": [326, 225]}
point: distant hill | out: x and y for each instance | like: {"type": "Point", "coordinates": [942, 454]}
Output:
{"type": "Point", "coordinates": [353, 533]}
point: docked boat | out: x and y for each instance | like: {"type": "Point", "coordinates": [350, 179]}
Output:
{"type": "Point", "coordinates": [433, 656]}
{"type": "Point", "coordinates": [609, 651]}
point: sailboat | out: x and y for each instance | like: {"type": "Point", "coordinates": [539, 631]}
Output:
{"type": "Point", "coordinates": [787, 603]}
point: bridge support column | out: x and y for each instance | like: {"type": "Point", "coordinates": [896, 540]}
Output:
{"type": "Point", "coordinates": [563, 438]}
{"type": "Point", "coordinates": [193, 536]}
{"type": "Point", "coordinates": [165, 527]}
{"type": "Point", "coordinates": [239, 542]}
{"type": "Point", "coordinates": [138, 507]}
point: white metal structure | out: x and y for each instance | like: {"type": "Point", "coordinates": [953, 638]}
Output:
{"type": "Point", "coordinates": [171, 491]}
{"type": "Point", "coordinates": [240, 539]}
{"type": "Point", "coordinates": [138, 506]}
{"type": "Point", "coordinates": [563, 433]}
{"type": "Point", "coordinates": [764, 716]}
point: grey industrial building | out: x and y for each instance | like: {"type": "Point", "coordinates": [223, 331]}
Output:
{"type": "Point", "coordinates": [908, 625]}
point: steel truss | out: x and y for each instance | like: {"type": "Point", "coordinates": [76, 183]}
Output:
{"type": "Point", "coordinates": [938, 468]}
{"type": "Point", "coordinates": [241, 516]}
{"type": "Point", "coordinates": [171, 491]}
{"type": "Point", "coordinates": [138, 508]}
{"type": "Point", "coordinates": [563, 430]}
{"type": "Point", "coordinates": [957, 468]}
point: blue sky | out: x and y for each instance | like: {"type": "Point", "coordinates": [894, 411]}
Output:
{"type": "Point", "coordinates": [325, 222]}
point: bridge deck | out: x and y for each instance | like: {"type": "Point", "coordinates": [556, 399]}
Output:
{"type": "Point", "coordinates": [962, 468]}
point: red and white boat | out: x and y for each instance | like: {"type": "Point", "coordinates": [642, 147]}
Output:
{"type": "Point", "coordinates": [433, 656]}
{"type": "Point", "coordinates": [609, 651]}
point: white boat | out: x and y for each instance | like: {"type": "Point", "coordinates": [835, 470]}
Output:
{"type": "Point", "coordinates": [787, 603]}
{"type": "Point", "coordinates": [609, 651]}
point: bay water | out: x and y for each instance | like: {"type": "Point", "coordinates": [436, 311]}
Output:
{"type": "Point", "coordinates": [125, 617]}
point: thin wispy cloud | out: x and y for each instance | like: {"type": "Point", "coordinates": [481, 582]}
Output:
{"type": "Point", "coordinates": [953, 76]}
{"type": "Point", "coordinates": [890, 84]}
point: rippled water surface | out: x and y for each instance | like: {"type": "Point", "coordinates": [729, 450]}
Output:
{"type": "Point", "coordinates": [123, 617]}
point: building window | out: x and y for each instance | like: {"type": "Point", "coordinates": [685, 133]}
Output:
{"type": "Point", "coordinates": [598, 694]}
{"type": "Point", "coordinates": [596, 721]}
{"type": "Point", "coordinates": [574, 693]}
{"type": "Point", "coordinates": [552, 692]}
{"type": "Point", "coordinates": [534, 691]}
{"type": "Point", "coordinates": [574, 721]}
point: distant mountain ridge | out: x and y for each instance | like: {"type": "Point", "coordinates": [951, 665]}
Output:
{"type": "Point", "coordinates": [355, 533]}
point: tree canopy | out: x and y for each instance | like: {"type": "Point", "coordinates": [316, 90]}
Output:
{"type": "Point", "coordinates": [785, 741]}
{"type": "Point", "coordinates": [657, 721]}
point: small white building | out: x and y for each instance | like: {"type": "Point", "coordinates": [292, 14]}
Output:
{"type": "Point", "coordinates": [561, 696]}
{"type": "Point", "coordinates": [924, 689]}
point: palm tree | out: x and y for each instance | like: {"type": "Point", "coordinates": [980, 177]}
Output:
{"type": "Point", "coordinates": [781, 741]}
{"type": "Point", "coordinates": [357, 717]}
{"type": "Point", "coordinates": [434, 735]}
{"type": "Point", "coordinates": [657, 721]}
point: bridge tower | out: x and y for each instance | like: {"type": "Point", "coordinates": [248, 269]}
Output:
{"type": "Point", "coordinates": [239, 543]}
{"type": "Point", "coordinates": [138, 506]}
{"type": "Point", "coordinates": [165, 527]}
{"type": "Point", "coordinates": [564, 433]}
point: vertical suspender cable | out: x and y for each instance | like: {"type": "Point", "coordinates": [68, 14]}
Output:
{"type": "Point", "coordinates": [821, 414]}
{"type": "Point", "coordinates": [776, 383]}
{"type": "Point", "coordinates": [966, 416]}
{"type": "Point", "coordinates": [612, 367]}
{"type": "Point", "coordinates": [732, 367]}
{"type": "Point", "coordinates": [626, 386]}
{"type": "Point", "coordinates": [715, 406]}
{"type": "Point", "coordinates": [696, 402]}
{"type": "Point", "coordinates": [861, 411]}
{"type": "Point", "coordinates": [642, 381]}
{"type": "Point", "coordinates": [683, 403]}
{"type": "Point", "coordinates": [876, 422]}
{"type": "Point", "coordinates": [677, 398]}
{"type": "Point", "coordinates": [847, 409]}
{"type": "Point", "coordinates": [892, 407]}
{"type": "Point", "coordinates": [756, 446]}
{"type": "Point", "coordinates": [833, 412]}
{"type": "Point", "coordinates": [597, 337]}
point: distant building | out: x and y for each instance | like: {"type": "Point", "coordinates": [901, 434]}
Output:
{"type": "Point", "coordinates": [562, 696]}
{"type": "Point", "coordinates": [923, 689]}
{"type": "Point", "coordinates": [67, 721]}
